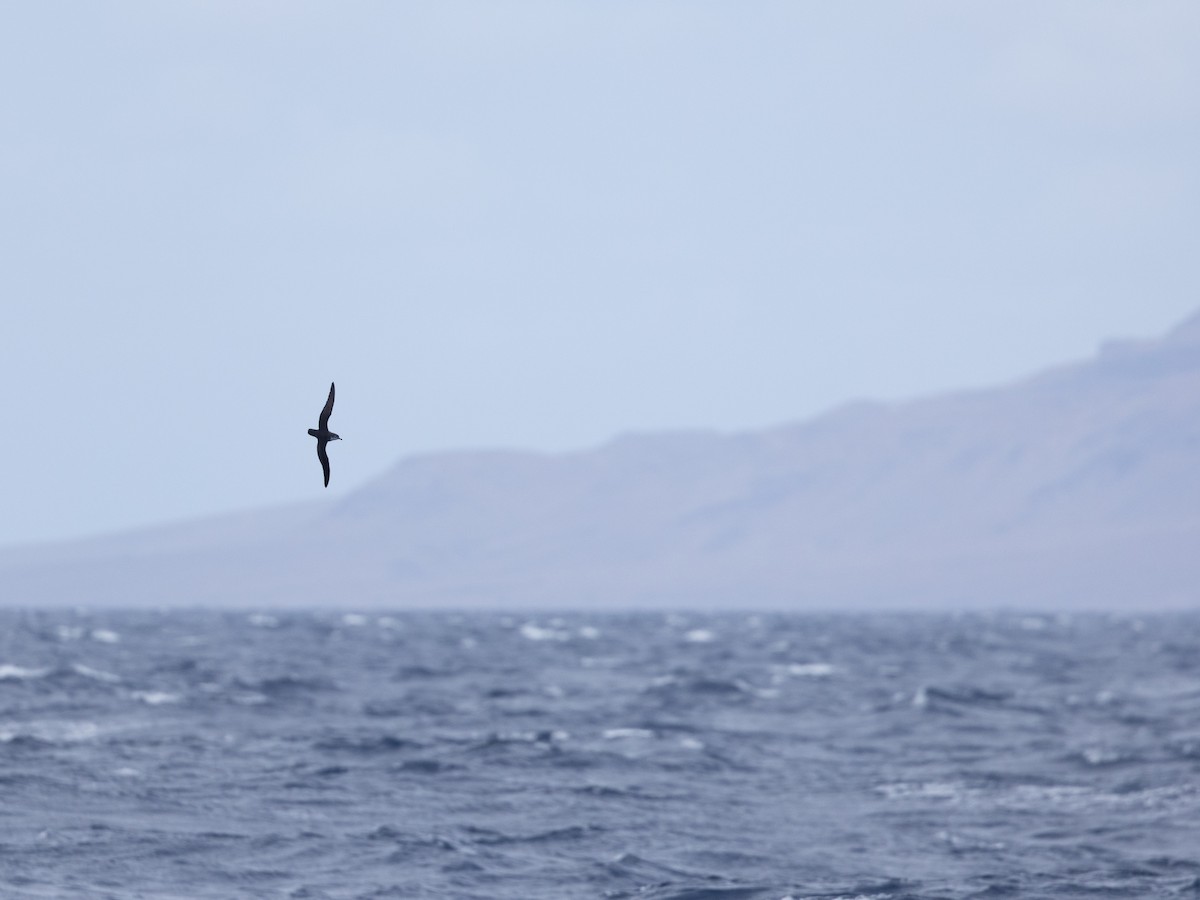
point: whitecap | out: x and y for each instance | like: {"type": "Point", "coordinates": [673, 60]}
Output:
{"type": "Point", "coordinates": [589, 633]}
{"type": "Point", "coordinates": [51, 732]}
{"type": "Point", "coordinates": [762, 693]}
{"type": "Point", "coordinates": [600, 662]}
{"type": "Point", "coordinates": [105, 636]}
{"type": "Point", "coordinates": [810, 670]}
{"type": "Point", "coordinates": [1101, 756]}
{"type": "Point", "coordinates": [536, 633]}
{"type": "Point", "coordinates": [261, 620]}
{"type": "Point", "coordinates": [155, 698]}
{"type": "Point", "coordinates": [532, 737]}
{"type": "Point", "coordinates": [69, 632]}
{"type": "Point", "coordinates": [699, 636]}
{"type": "Point", "coordinates": [20, 673]}
{"type": "Point", "coordinates": [95, 674]}
{"type": "Point", "coordinates": [619, 734]}
{"type": "Point", "coordinates": [354, 620]}
{"type": "Point", "coordinates": [939, 790]}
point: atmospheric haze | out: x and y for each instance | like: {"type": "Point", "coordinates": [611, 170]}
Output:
{"type": "Point", "coordinates": [1076, 489]}
{"type": "Point", "coordinates": [540, 225]}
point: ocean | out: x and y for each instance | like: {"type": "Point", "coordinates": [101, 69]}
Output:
{"type": "Point", "coordinates": [328, 755]}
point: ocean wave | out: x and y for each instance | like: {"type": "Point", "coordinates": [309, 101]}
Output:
{"type": "Point", "coordinates": [880, 757]}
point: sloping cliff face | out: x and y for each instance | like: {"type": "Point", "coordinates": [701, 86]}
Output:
{"type": "Point", "coordinates": [1078, 488]}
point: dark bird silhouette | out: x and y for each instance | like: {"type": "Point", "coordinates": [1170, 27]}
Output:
{"type": "Point", "coordinates": [324, 435]}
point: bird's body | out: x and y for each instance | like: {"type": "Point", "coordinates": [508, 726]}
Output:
{"type": "Point", "coordinates": [324, 435]}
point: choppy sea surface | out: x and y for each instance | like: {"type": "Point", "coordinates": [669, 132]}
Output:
{"type": "Point", "coordinates": [340, 755]}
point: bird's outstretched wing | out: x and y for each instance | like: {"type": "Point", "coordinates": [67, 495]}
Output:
{"type": "Point", "coordinates": [323, 422]}
{"type": "Point", "coordinates": [324, 458]}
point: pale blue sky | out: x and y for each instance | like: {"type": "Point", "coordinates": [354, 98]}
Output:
{"type": "Point", "coordinates": [542, 224]}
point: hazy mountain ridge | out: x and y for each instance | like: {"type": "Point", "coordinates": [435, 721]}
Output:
{"type": "Point", "coordinates": [1077, 487]}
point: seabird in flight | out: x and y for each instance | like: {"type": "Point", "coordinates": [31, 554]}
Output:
{"type": "Point", "coordinates": [324, 435]}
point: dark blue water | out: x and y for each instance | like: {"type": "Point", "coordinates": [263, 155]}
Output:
{"type": "Point", "coordinates": [324, 755]}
